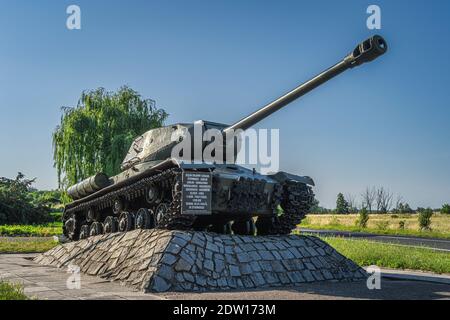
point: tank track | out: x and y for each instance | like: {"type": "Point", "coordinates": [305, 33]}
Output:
{"type": "Point", "coordinates": [174, 220]}
{"type": "Point", "coordinates": [169, 178]}
{"type": "Point", "coordinates": [296, 200]}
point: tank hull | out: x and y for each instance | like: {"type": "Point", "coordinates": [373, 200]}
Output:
{"type": "Point", "coordinates": [176, 195]}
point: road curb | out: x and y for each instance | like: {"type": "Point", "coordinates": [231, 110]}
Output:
{"type": "Point", "coordinates": [415, 276]}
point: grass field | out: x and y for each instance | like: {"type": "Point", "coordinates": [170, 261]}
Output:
{"type": "Point", "coordinates": [20, 245]}
{"type": "Point", "coordinates": [10, 291]}
{"type": "Point", "coordinates": [47, 230]}
{"type": "Point", "coordinates": [366, 253]}
{"type": "Point", "coordinates": [381, 224]}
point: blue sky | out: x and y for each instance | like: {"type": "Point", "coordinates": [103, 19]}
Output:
{"type": "Point", "coordinates": [384, 124]}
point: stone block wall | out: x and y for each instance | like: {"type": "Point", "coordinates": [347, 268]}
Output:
{"type": "Point", "coordinates": [162, 260]}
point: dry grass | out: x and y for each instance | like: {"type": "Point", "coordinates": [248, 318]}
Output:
{"type": "Point", "coordinates": [440, 222]}
{"type": "Point", "coordinates": [381, 223]}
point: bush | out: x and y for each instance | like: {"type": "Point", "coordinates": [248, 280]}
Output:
{"type": "Point", "coordinates": [17, 205]}
{"type": "Point", "coordinates": [445, 209]}
{"type": "Point", "coordinates": [382, 225]}
{"type": "Point", "coordinates": [401, 225]}
{"type": "Point", "coordinates": [363, 218]}
{"type": "Point", "coordinates": [56, 216]}
{"type": "Point", "coordinates": [425, 218]}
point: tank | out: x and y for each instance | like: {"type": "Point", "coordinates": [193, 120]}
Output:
{"type": "Point", "coordinates": [166, 183]}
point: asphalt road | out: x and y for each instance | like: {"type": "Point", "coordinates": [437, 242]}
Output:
{"type": "Point", "coordinates": [436, 244]}
{"type": "Point", "coordinates": [390, 290]}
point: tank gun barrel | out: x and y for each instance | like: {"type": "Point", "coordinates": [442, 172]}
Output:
{"type": "Point", "coordinates": [366, 51]}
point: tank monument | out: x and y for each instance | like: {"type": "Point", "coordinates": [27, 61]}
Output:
{"type": "Point", "coordinates": [166, 224]}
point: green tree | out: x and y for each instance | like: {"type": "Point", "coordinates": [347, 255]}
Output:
{"type": "Point", "coordinates": [445, 209]}
{"type": "Point", "coordinates": [402, 208]}
{"type": "Point", "coordinates": [52, 198]}
{"type": "Point", "coordinates": [17, 205]}
{"type": "Point", "coordinates": [95, 135]}
{"type": "Point", "coordinates": [341, 204]}
{"type": "Point", "coordinates": [317, 209]}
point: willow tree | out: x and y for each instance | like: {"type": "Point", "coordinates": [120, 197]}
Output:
{"type": "Point", "coordinates": [95, 135]}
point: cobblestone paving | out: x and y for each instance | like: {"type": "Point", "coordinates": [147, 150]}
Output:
{"type": "Point", "coordinates": [49, 283]}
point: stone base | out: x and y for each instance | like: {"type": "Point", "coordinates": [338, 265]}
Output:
{"type": "Point", "coordinates": [161, 260]}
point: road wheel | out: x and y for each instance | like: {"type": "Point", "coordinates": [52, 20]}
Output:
{"type": "Point", "coordinates": [110, 225]}
{"type": "Point", "coordinates": [152, 195]}
{"type": "Point", "coordinates": [71, 228]}
{"type": "Point", "coordinates": [84, 231]}
{"type": "Point", "coordinates": [145, 219]}
{"type": "Point", "coordinates": [96, 229]}
{"type": "Point", "coordinates": [126, 222]}
{"type": "Point", "coordinates": [162, 213]}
